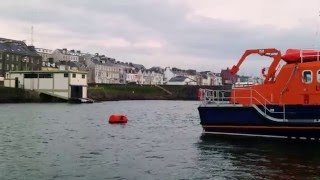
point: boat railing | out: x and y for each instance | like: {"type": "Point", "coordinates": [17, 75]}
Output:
{"type": "Point", "coordinates": [303, 53]}
{"type": "Point", "coordinates": [223, 97]}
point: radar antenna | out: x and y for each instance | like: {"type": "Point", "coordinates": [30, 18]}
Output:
{"type": "Point", "coordinates": [31, 35]}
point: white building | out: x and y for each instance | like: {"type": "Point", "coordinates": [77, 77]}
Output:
{"type": "Point", "coordinates": [210, 79]}
{"type": "Point", "coordinates": [181, 80]}
{"type": "Point", "coordinates": [139, 77]}
{"type": "Point", "coordinates": [46, 54]}
{"type": "Point", "coordinates": [217, 80]}
{"type": "Point", "coordinates": [61, 84]}
{"type": "Point", "coordinates": [168, 74]}
{"type": "Point", "coordinates": [152, 77]}
{"type": "Point", "coordinates": [131, 76]}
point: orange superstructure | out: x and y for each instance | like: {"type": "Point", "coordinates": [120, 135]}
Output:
{"type": "Point", "coordinates": [285, 105]}
{"type": "Point", "coordinates": [295, 83]}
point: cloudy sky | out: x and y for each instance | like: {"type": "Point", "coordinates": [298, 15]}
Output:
{"type": "Point", "coordinates": [189, 34]}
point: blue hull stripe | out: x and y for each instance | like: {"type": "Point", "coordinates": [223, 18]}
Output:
{"type": "Point", "coordinates": [302, 121]}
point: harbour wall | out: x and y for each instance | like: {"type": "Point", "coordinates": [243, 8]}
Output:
{"type": "Point", "coordinates": [112, 92]}
{"type": "Point", "coordinates": [16, 95]}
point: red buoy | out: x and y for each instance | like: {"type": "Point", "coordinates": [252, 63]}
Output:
{"type": "Point", "coordinates": [118, 118]}
{"type": "Point", "coordinates": [199, 94]}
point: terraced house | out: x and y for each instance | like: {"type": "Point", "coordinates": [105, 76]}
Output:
{"type": "Point", "coordinates": [15, 55]}
{"type": "Point", "coordinates": [65, 55]}
{"type": "Point", "coordinates": [103, 70]}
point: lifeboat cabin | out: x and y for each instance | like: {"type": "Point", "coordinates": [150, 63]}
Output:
{"type": "Point", "coordinates": [286, 104]}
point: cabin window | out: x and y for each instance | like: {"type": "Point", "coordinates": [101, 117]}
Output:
{"type": "Point", "coordinates": [307, 76]}
{"type": "Point", "coordinates": [318, 76]}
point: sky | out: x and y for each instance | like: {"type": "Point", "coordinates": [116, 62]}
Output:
{"type": "Point", "coordinates": [188, 34]}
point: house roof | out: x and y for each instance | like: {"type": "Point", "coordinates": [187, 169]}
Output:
{"type": "Point", "coordinates": [17, 47]}
{"type": "Point", "coordinates": [98, 61]}
{"type": "Point", "coordinates": [191, 72]}
{"type": "Point", "coordinates": [70, 53]}
{"type": "Point", "coordinates": [178, 79]}
{"type": "Point", "coordinates": [71, 64]}
{"type": "Point", "coordinates": [156, 69]}
{"type": "Point", "coordinates": [205, 76]}
{"type": "Point", "coordinates": [137, 66]}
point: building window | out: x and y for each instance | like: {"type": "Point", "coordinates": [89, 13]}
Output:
{"type": "Point", "coordinates": [0, 65]}
{"type": "Point", "coordinates": [73, 75]}
{"type": "Point", "coordinates": [0, 55]}
{"type": "Point", "coordinates": [49, 75]}
{"type": "Point", "coordinates": [12, 67]}
{"type": "Point", "coordinates": [8, 68]}
{"type": "Point", "coordinates": [7, 57]}
{"type": "Point", "coordinates": [307, 76]}
{"type": "Point", "coordinates": [65, 75]}
{"type": "Point", "coordinates": [83, 76]}
{"type": "Point", "coordinates": [17, 58]}
{"type": "Point", "coordinates": [30, 76]}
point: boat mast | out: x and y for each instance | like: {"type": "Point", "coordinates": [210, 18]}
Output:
{"type": "Point", "coordinates": [317, 36]}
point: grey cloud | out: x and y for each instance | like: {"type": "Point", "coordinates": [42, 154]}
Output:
{"type": "Point", "coordinates": [138, 20]}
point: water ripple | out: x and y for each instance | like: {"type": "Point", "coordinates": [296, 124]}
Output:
{"type": "Point", "coordinates": [162, 140]}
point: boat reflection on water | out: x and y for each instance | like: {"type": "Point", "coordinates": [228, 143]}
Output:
{"type": "Point", "coordinates": [258, 158]}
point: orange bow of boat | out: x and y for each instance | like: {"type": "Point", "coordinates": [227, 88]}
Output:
{"type": "Point", "coordinates": [118, 118]}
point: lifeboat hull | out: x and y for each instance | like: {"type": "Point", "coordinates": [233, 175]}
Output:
{"type": "Point", "coordinates": [118, 119]}
{"type": "Point", "coordinates": [300, 121]}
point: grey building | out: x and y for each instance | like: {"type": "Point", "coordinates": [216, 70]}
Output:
{"type": "Point", "coordinates": [103, 70]}
{"type": "Point", "coordinates": [65, 55]}
{"type": "Point", "coordinates": [15, 55]}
